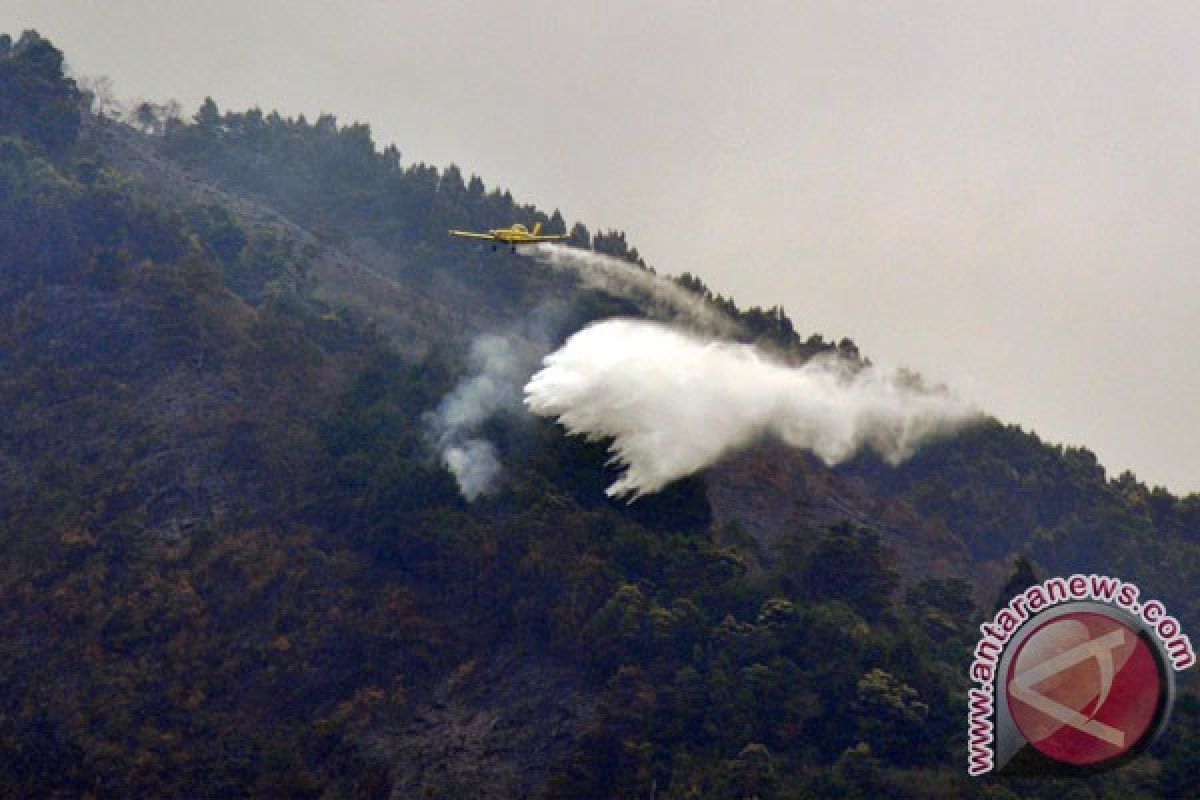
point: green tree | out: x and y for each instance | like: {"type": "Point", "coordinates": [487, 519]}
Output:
{"type": "Point", "coordinates": [848, 564]}
{"type": "Point", "coordinates": [1020, 578]}
{"type": "Point", "coordinates": [37, 101]}
{"type": "Point", "coordinates": [891, 717]}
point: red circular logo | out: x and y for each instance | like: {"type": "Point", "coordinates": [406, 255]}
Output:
{"type": "Point", "coordinates": [1084, 688]}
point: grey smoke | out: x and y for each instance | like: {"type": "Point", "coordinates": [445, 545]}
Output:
{"type": "Point", "coordinates": [498, 365]}
{"type": "Point", "coordinates": [474, 465]}
{"type": "Point", "coordinates": [496, 370]}
{"type": "Point", "coordinates": [674, 403]}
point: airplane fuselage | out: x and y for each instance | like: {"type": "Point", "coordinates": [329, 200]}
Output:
{"type": "Point", "coordinates": [514, 235]}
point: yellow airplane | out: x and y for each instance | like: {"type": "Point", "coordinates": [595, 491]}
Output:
{"type": "Point", "coordinates": [513, 236]}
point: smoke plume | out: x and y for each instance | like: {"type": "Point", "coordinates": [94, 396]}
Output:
{"type": "Point", "coordinates": [498, 364]}
{"type": "Point", "coordinates": [495, 372]}
{"type": "Point", "coordinates": [674, 403]}
{"type": "Point", "coordinates": [655, 295]}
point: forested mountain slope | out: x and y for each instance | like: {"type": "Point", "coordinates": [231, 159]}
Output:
{"type": "Point", "coordinates": [232, 565]}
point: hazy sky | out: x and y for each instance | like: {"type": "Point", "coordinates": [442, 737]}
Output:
{"type": "Point", "coordinates": [1002, 195]}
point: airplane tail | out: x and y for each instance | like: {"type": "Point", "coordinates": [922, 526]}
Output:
{"type": "Point", "coordinates": [537, 227]}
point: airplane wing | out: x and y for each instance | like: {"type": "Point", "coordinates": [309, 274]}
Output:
{"type": "Point", "coordinates": [472, 235]}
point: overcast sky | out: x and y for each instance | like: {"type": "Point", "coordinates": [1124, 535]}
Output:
{"type": "Point", "coordinates": [1002, 195]}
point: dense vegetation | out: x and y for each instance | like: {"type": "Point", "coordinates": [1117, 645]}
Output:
{"type": "Point", "coordinates": [231, 567]}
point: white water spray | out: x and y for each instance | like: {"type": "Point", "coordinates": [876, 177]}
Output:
{"type": "Point", "coordinates": [673, 403]}
{"type": "Point", "coordinates": [657, 296]}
